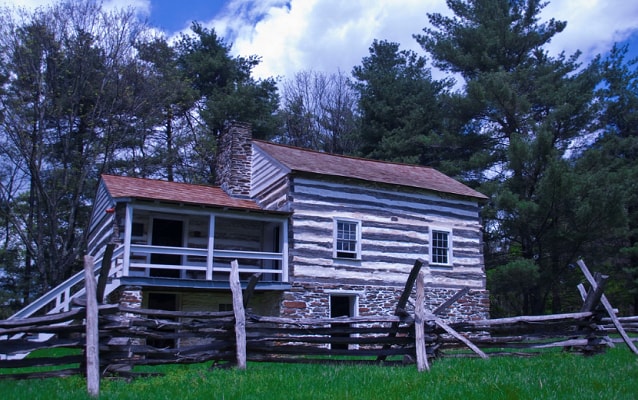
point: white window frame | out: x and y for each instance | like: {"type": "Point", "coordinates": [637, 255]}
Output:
{"type": "Point", "coordinates": [448, 232]}
{"type": "Point", "coordinates": [337, 253]}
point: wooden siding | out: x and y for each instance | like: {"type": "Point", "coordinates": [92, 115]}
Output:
{"type": "Point", "coordinates": [395, 230]}
{"type": "Point", "coordinates": [102, 223]}
{"type": "Point", "coordinates": [270, 184]}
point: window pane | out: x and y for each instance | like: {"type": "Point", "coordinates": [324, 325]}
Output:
{"type": "Point", "coordinates": [346, 244]}
{"type": "Point", "coordinates": [440, 247]}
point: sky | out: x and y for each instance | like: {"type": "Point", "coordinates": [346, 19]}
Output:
{"type": "Point", "coordinates": [334, 35]}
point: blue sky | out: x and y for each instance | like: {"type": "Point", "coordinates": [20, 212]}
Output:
{"type": "Point", "coordinates": [173, 16]}
{"type": "Point", "coordinates": [332, 35]}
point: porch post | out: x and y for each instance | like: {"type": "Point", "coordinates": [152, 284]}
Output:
{"type": "Point", "coordinates": [211, 246]}
{"type": "Point", "coordinates": [128, 226]}
{"type": "Point", "coordinates": [284, 251]}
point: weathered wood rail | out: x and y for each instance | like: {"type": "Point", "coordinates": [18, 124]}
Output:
{"type": "Point", "coordinates": [66, 331]}
{"type": "Point", "coordinates": [530, 335]}
{"type": "Point", "coordinates": [131, 336]}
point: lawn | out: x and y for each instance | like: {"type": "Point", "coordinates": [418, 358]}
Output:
{"type": "Point", "coordinates": [554, 375]}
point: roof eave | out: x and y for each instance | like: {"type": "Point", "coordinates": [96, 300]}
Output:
{"type": "Point", "coordinates": [198, 205]}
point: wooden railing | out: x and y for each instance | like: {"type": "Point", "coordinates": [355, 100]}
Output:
{"type": "Point", "coordinates": [207, 263]}
{"type": "Point", "coordinates": [59, 299]}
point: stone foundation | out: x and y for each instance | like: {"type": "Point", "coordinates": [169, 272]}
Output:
{"type": "Point", "coordinates": [128, 296]}
{"type": "Point", "coordinates": [312, 300]}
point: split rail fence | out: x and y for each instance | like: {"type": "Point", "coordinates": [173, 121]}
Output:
{"type": "Point", "coordinates": [123, 338]}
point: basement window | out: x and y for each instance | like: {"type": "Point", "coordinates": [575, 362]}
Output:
{"type": "Point", "coordinates": [440, 250]}
{"type": "Point", "coordinates": [347, 239]}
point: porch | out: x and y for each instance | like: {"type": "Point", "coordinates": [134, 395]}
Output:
{"type": "Point", "coordinates": [183, 247]}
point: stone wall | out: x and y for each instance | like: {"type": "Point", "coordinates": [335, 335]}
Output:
{"type": "Point", "coordinates": [127, 296]}
{"type": "Point", "coordinates": [234, 158]}
{"type": "Point", "coordinates": [312, 300]}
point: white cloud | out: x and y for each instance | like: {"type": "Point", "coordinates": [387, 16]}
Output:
{"type": "Point", "coordinates": [25, 3]}
{"type": "Point", "coordinates": [142, 6]}
{"type": "Point", "coordinates": [327, 35]}
{"type": "Point", "coordinates": [592, 25]}
{"type": "Point", "coordinates": [323, 35]}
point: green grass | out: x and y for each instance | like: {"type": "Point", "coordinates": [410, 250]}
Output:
{"type": "Point", "coordinates": [613, 375]}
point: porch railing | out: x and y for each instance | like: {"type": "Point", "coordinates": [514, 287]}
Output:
{"type": "Point", "coordinates": [200, 263]}
{"type": "Point", "coordinates": [215, 266]}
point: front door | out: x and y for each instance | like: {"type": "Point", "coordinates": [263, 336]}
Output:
{"type": "Point", "coordinates": [167, 232]}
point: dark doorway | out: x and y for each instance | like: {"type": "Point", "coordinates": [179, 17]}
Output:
{"type": "Point", "coordinates": [167, 232]}
{"type": "Point", "coordinates": [167, 302]}
{"type": "Point", "coordinates": [341, 306]}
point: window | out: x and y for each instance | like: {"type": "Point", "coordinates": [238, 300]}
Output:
{"type": "Point", "coordinates": [440, 247]}
{"type": "Point", "coordinates": [347, 239]}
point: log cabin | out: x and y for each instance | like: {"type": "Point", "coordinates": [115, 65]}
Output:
{"type": "Point", "coordinates": [330, 235]}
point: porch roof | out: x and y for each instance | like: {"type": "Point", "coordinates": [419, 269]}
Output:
{"type": "Point", "coordinates": [120, 187]}
{"type": "Point", "coordinates": [416, 176]}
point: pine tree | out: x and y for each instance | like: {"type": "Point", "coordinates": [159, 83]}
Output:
{"type": "Point", "coordinates": [531, 108]}
{"type": "Point", "coordinates": [226, 92]}
{"type": "Point", "coordinates": [611, 162]}
{"type": "Point", "coordinates": [401, 106]}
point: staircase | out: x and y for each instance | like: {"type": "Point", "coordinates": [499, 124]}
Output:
{"type": "Point", "coordinates": [60, 298]}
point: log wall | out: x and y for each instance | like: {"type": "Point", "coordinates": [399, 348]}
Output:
{"type": "Point", "coordinates": [395, 229]}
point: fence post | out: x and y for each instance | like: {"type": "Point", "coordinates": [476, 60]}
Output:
{"type": "Point", "coordinates": [92, 334]}
{"type": "Point", "coordinates": [419, 329]}
{"type": "Point", "coordinates": [403, 300]}
{"type": "Point", "coordinates": [107, 260]}
{"type": "Point", "coordinates": [608, 307]}
{"type": "Point", "coordinates": [592, 299]}
{"type": "Point", "coordinates": [240, 315]}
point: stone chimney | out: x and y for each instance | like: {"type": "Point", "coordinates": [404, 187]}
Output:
{"type": "Point", "coordinates": [234, 159]}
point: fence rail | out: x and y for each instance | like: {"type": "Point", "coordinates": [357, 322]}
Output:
{"type": "Point", "coordinates": [129, 337]}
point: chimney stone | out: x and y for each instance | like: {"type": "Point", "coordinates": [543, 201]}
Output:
{"type": "Point", "coordinates": [234, 159]}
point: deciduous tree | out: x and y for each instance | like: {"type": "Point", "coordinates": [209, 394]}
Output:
{"type": "Point", "coordinates": [68, 102]}
{"type": "Point", "coordinates": [319, 112]}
